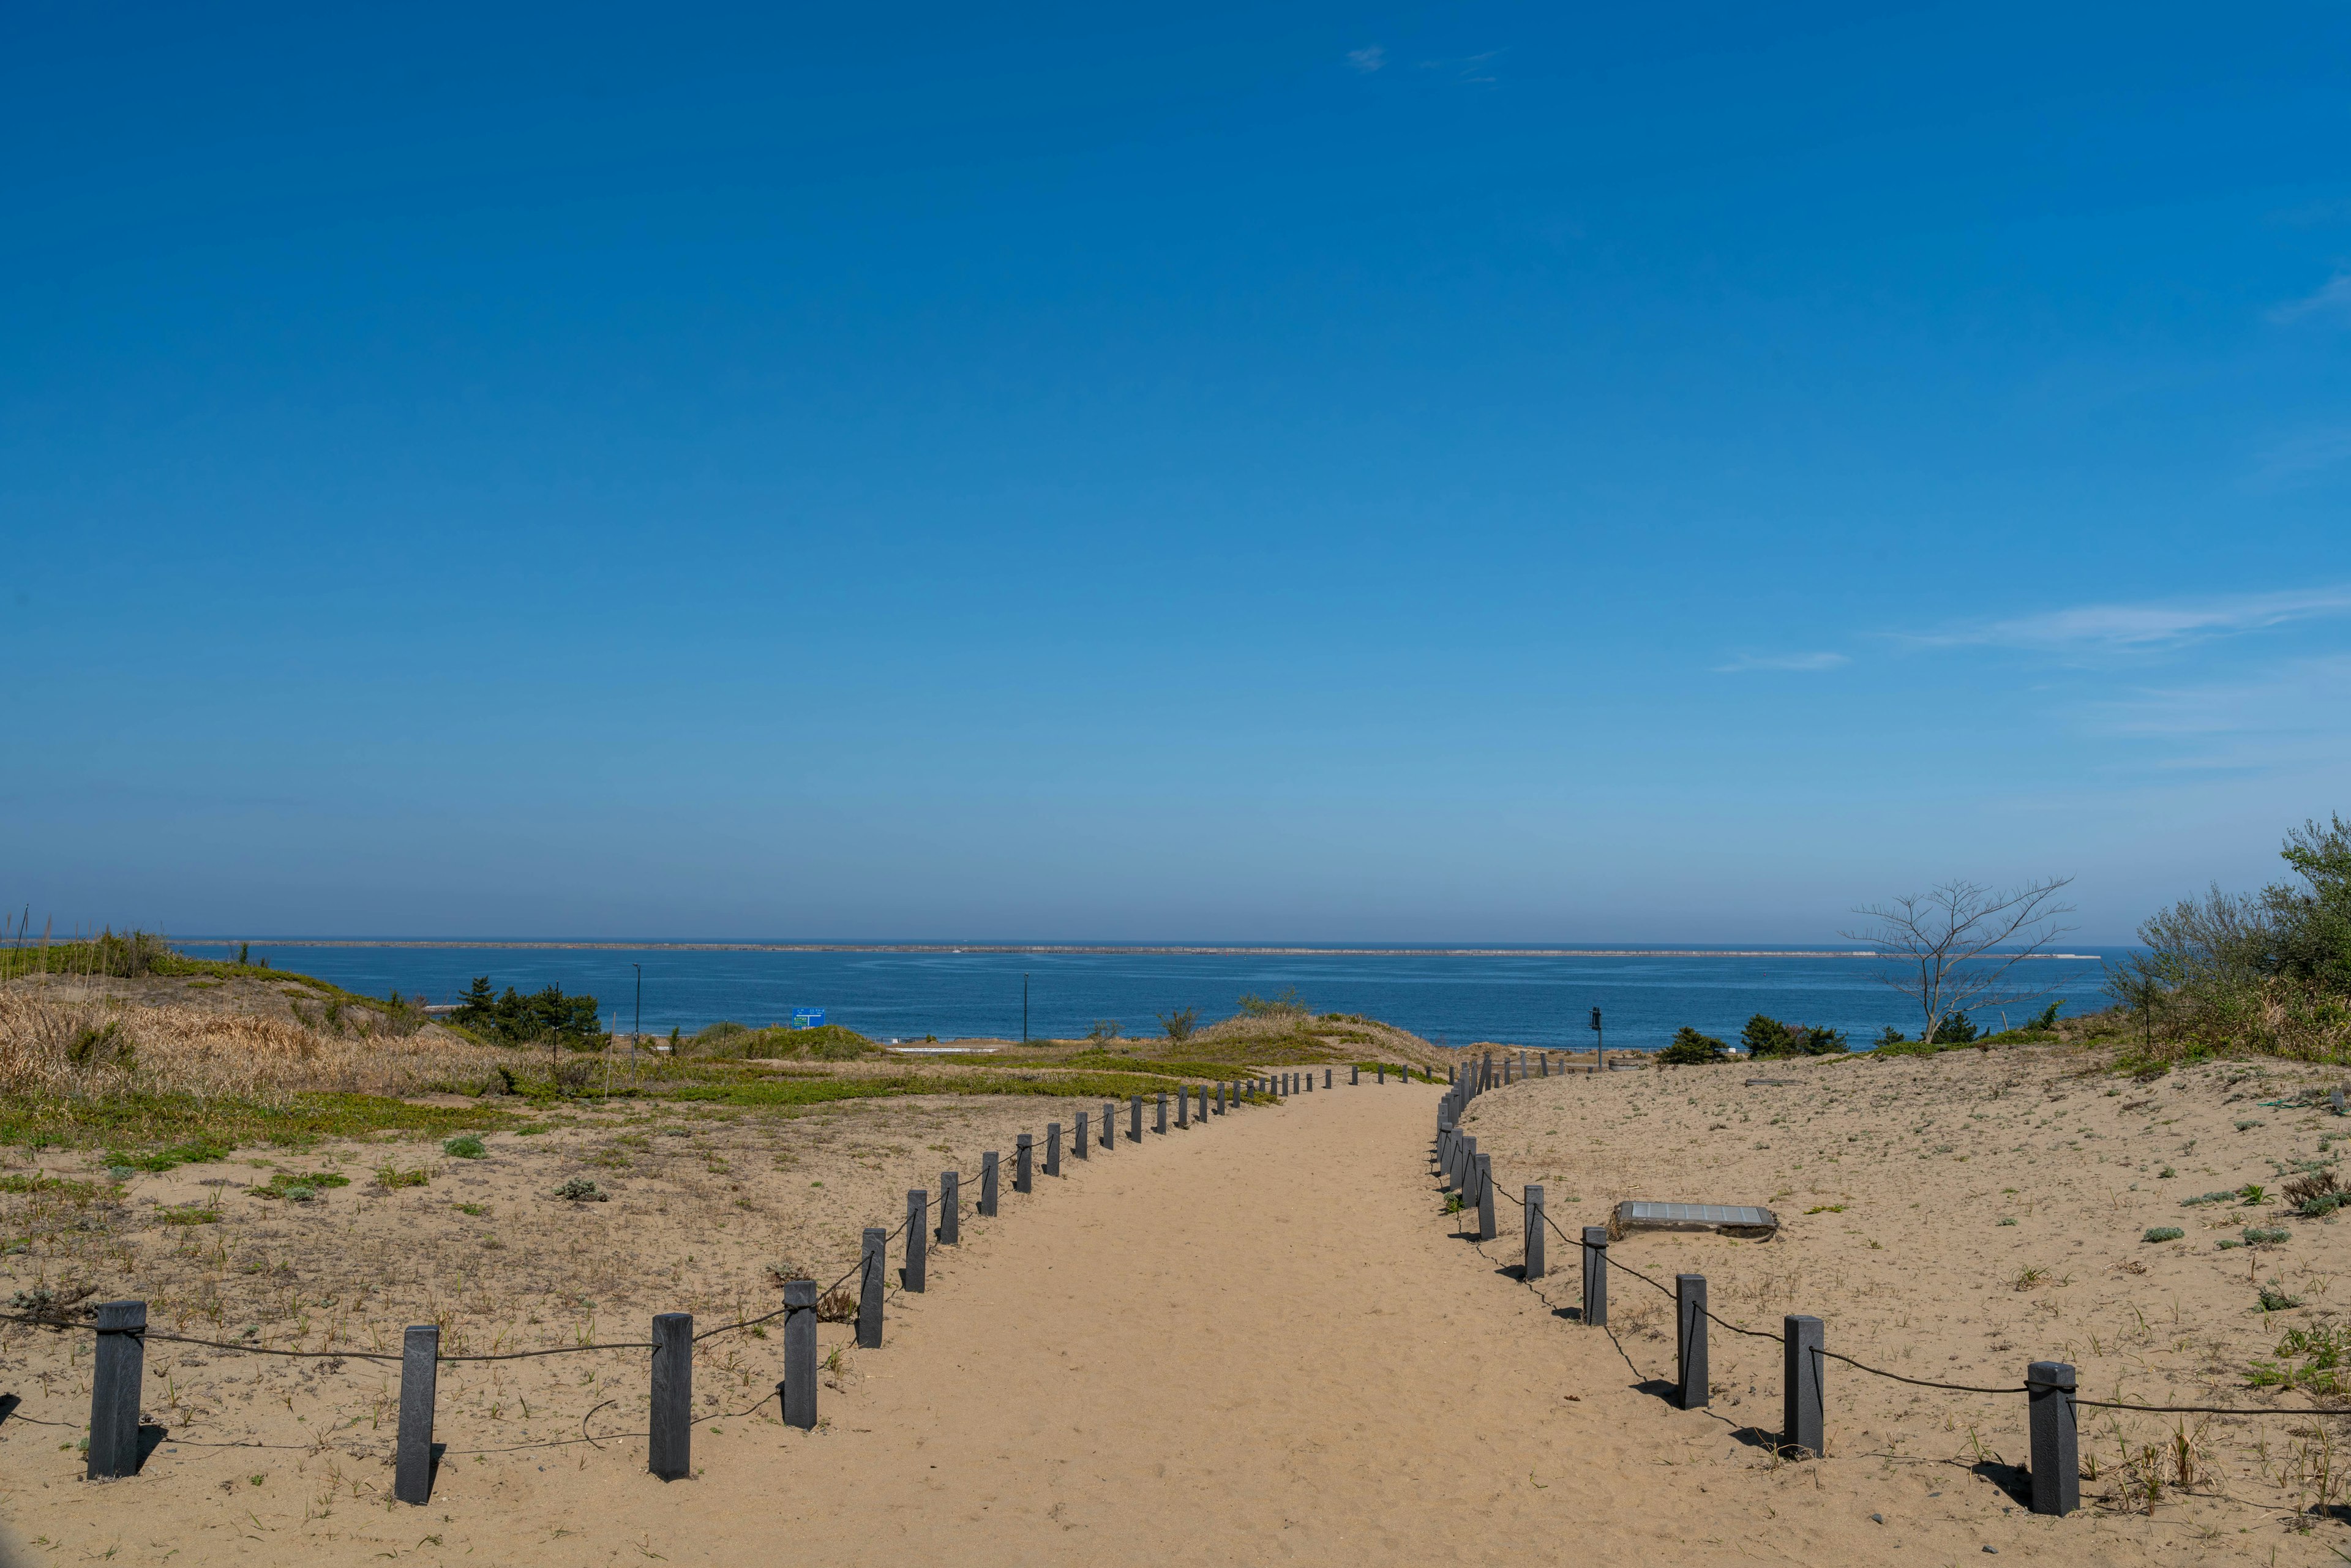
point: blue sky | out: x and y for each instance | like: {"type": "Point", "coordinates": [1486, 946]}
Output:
{"type": "Point", "coordinates": [1475, 472]}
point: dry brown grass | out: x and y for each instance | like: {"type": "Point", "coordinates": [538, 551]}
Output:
{"type": "Point", "coordinates": [99, 1048]}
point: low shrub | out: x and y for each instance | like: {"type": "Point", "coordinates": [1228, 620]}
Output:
{"type": "Point", "coordinates": [579, 1190]}
{"type": "Point", "coordinates": [2163, 1233]}
{"type": "Point", "coordinates": [1691, 1049]}
{"type": "Point", "coordinates": [465, 1146]}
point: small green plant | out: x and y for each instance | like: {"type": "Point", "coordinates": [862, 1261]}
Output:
{"type": "Point", "coordinates": [1453, 1203]}
{"type": "Point", "coordinates": [391, 1175]}
{"type": "Point", "coordinates": [2321, 1351]}
{"type": "Point", "coordinates": [2028, 1277]}
{"type": "Point", "coordinates": [475, 1210]}
{"type": "Point", "coordinates": [1179, 1022]}
{"type": "Point", "coordinates": [2204, 1198]}
{"type": "Point", "coordinates": [2273, 1297]}
{"type": "Point", "coordinates": [468, 1145]}
{"type": "Point", "coordinates": [2266, 1235]}
{"type": "Point", "coordinates": [579, 1190]}
{"type": "Point", "coordinates": [2251, 1194]}
{"type": "Point", "coordinates": [296, 1187]}
{"type": "Point", "coordinates": [191, 1215]}
{"type": "Point", "coordinates": [2005, 1220]}
{"type": "Point", "coordinates": [1826, 1208]}
{"type": "Point", "coordinates": [2163, 1233]}
{"type": "Point", "coordinates": [2166, 1174]}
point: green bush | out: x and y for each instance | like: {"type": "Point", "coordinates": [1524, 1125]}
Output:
{"type": "Point", "coordinates": [2163, 1233]}
{"type": "Point", "coordinates": [1691, 1049]}
{"type": "Point", "coordinates": [465, 1146]}
{"type": "Point", "coordinates": [1768, 1037]}
{"type": "Point", "coordinates": [516, 1020]}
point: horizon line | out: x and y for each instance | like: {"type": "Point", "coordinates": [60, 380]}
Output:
{"type": "Point", "coordinates": [1050, 949]}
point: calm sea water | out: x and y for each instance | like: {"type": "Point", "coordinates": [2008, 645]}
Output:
{"type": "Point", "coordinates": [1513, 999]}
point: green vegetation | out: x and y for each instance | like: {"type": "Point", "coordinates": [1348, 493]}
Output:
{"type": "Point", "coordinates": [465, 1146]}
{"type": "Point", "coordinates": [1286, 1005]}
{"type": "Point", "coordinates": [1179, 1022]}
{"type": "Point", "coordinates": [392, 1177]}
{"type": "Point", "coordinates": [1691, 1049]}
{"type": "Point", "coordinates": [1768, 1037]}
{"type": "Point", "coordinates": [2320, 1351]}
{"type": "Point", "coordinates": [301, 1120]}
{"type": "Point", "coordinates": [1077, 1085]}
{"type": "Point", "coordinates": [543, 1016]}
{"type": "Point", "coordinates": [203, 1151]}
{"type": "Point", "coordinates": [2267, 972]}
{"type": "Point", "coordinates": [579, 1190]}
{"type": "Point", "coordinates": [778, 1043]}
{"type": "Point", "coordinates": [2163, 1233]}
{"type": "Point", "coordinates": [296, 1187]}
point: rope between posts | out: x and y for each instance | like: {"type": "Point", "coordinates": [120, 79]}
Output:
{"type": "Point", "coordinates": [2198, 1409]}
{"type": "Point", "coordinates": [1921, 1382]}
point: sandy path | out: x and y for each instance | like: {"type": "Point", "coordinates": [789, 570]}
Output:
{"type": "Point", "coordinates": [1255, 1343]}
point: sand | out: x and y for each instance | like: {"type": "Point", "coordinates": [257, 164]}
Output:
{"type": "Point", "coordinates": [1264, 1341]}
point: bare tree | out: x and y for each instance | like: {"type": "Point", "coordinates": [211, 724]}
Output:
{"type": "Point", "coordinates": [1958, 945]}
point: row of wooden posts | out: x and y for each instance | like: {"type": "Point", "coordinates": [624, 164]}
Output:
{"type": "Point", "coordinates": [1465, 1170]}
{"type": "Point", "coordinates": [119, 1364]}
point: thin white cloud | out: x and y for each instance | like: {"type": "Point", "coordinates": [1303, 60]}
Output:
{"type": "Point", "coordinates": [2287, 716]}
{"type": "Point", "coordinates": [2333, 298]}
{"type": "Point", "coordinates": [1367, 60]}
{"type": "Point", "coordinates": [1800, 662]}
{"type": "Point", "coordinates": [2132, 628]}
{"type": "Point", "coordinates": [2312, 452]}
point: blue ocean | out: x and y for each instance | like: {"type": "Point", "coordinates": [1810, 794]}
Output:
{"type": "Point", "coordinates": [1519, 998]}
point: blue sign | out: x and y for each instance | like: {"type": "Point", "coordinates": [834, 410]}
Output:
{"type": "Point", "coordinates": [808, 1018]}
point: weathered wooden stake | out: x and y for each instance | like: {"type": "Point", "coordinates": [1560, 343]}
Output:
{"type": "Point", "coordinates": [669, 1453]}
{"type": "Point", "coordinates": [799, 1354]}
{"type": "Point", "coordinates": [1690, 1339]}
{"type": "Point", "coordinates": [1380, 1073]}
{"type": "Point", "coordinates": [987, 1170]}
{"type": "Point", "coordinates": [918, 1236]}
{"type": "Point", "coordinates": [2056, 1453]}
{"type": "Point", "coordinates": [1078, 1143]}
{"type": "Point", "coordinates": [950, 1208]}
{"type": "Point", "coordinates": [1801, 1378]}
{"type": "Point", "coordinates": [1052, 1148]}
{"type": "Point", "coordinates": [119, 1367]}
{"type": "Point", "coordinates": [869, 1298]}
{"type": "Point", "coordinates": [1162, 1112]}
{"type": "Point", "coordinates": [1024, 1154]}
{"type": "Point", "coordinates": [1542, 1064]}
{"type": "Point", "coordinates": [1326, 1078]}
{"type": "Point", "coordinates": [1534, 1243]}
{"type": "Point", "coordinates": [1203, 1102]}
{"type": "Point", "coordinates": [1134, 1124]}
{"type": "Point", "coordinates": [1595, 1276]}
{"type": "Point", "coordinates": [1109, 1122]}
{"type": "Point", "coordinates": [1182, 1107]}
{"type": "Point", "coordinates": [420, 1375]}
{"type": "Point", "coordinates": [1485, 1197]}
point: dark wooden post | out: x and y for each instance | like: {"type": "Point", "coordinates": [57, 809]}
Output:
{"type": "Point", "coordinates": [668, 1454]}
{"type": "Point", "coordinates": [918, 1236]}
{"type": "Point", "coordinates": [1595, 1276]}
{"type": "Point", "coordinates": [869, 1299]}
{"type": "Point", "coordinates": [1162, 1112]}
{"type": "Point", "coordinates": [1690, 1339]}
{"type": "Point", "coordinates": [1203, 1102]}
{"type": "Point", "coordinates": [1182, 1107]}
{"type": "Point", "coordinates": [1109, 1122]}
{"type": "Point", "coordinates": [1542, 1064]}
{"type": "Point", "coordinates": [1801, 1378]}
{"type": "Point", "coordinates": [987, 1173]}
{"type": "Point", "coordinates": [1533, 1197]}
{"type": "Point", "coordinates": [799, 1354]}
{"type": "Point", "coordinates": [1220, 1096]}
{"type": "Point", "coordinates": [2057, 1452]}
{"type": "Point", "coordinates": [1024, 1155]}
{"type": "Point", "coordinates": [1380, 1073]}
{"type": "Point", "coordinates": [1134, 1120]}
{"type": "Point", "coordinates": [950, 1208]}
{"type": "Point", "coordinates": [118, 1369]}
{"type": "Point", "coordinates": [420, 1375]}
{"type": "Point", "coordinates": [1078, 1139]}
{"type": "Point", "coordinates": [1052, 1148]}
{"type": "Point", "coordinates": [1485, 1197]}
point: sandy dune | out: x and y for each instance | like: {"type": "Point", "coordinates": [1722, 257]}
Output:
{"type": "Point", "coordinates": [1262, 1342]}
